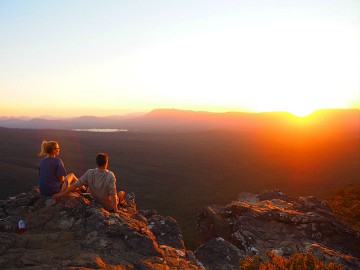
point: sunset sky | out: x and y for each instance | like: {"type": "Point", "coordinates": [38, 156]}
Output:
{"type": "Point", "coordinates": [85, 57]}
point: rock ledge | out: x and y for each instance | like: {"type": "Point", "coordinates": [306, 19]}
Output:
{"type": "Point", "coordinates": [275, 222]}
{"type": "Point", "coordinates": [75, 233]}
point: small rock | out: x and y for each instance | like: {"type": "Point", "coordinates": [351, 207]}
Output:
{"type": "Point", "coordinates": [50, 202]}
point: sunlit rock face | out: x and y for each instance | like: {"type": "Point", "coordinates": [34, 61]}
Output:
{"type": "Point", "coordinates": [273, 221]}
{"type": "Point", "coordinates": [75, 233]}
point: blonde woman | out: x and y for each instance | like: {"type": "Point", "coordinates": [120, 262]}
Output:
{"type": "Point", "coordinates": [52, 173]}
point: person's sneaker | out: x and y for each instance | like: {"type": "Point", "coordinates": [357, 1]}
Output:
{"type": "Point", "coordinates": [130, 200]}
{"type": "Point", "coordinates": [123, 204]}
{"type": "Point", "coordinates": [130, 197]}
{"type": "Point", "coordinates": [84, 189]}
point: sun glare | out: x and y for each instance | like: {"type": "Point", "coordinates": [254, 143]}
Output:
{"type": "Point", "coordinates": [302, 112]}
{"type": "Point", "coordinates": [287, 75]}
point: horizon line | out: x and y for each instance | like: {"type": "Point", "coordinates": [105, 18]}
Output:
{"type": "Point", "coordinates": [138, 114]}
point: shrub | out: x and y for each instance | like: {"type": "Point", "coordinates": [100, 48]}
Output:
{"type": "Point", "coordinates": [297, 261]}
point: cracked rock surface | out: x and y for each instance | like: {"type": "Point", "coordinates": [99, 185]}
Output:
{"type": "Point", "coordinates": [75, 233]}
{"type": "Point", "coordinates": [275, 222]}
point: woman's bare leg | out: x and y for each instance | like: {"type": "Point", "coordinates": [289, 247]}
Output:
{"type": "Point", "coordinates": [68, 180]}
{"type": "Point", "coordinates": [71, 178]}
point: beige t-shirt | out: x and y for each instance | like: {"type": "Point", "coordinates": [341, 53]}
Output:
{"type": "Point", "coordinates": [102, 184]}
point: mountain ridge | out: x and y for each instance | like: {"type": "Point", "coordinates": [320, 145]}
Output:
{"type": "Point", "coordinates": [169, 111]}
{"type": "Point", "coordinates": [187, 120]}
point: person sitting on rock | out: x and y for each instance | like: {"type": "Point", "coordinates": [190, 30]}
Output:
{"type": "Point", "coordinates": [52, 173]}
{"type": "Point", "coordinates": [102, 185]}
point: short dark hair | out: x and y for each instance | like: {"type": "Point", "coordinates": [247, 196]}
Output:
{"type": "Point", "coordinates": [101, 159]}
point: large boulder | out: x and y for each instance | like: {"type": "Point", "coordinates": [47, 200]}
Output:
{"type": "Point", "coordinates": [275, 222]}
{"type": "Point", "coordinates": [219, 254]}
{"type": "Point", "coordinates": [75, 233]}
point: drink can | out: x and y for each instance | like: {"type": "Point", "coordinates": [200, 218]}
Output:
{"type": "Point", "coordinates": [21, 226]}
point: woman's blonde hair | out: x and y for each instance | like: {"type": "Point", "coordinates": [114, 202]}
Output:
{"type": "Point", "coordinates": [47, 147]}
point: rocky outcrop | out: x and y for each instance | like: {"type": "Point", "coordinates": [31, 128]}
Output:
{"type": "Point", "coordinates": [275, 222]}
{"type": "Point", "coordinates": [75, 233]}
{"type": "Point", "coordinates": [219, 254]}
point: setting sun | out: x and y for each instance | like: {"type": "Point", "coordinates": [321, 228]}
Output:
{"type": "Point", "coordinates": [301, 112]}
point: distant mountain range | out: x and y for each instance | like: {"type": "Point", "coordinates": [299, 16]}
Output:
{"type": "Point", "coordinates": [180, 120]}
{"type": "Point", "coordinates": [23, 117]}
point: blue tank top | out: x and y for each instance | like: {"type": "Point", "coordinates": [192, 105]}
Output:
{"type": "Point", "coordinates": [50, 170]}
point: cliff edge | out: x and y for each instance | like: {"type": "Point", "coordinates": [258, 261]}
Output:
{"type": "Point", "coordinates": [277, 223]}
{"type": "Point", "coordinates": [75, 233]}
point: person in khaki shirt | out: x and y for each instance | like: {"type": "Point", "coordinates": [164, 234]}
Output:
{"type": "Point", "coordinates": [102, 185]}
